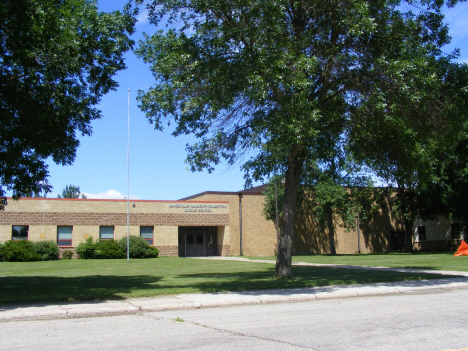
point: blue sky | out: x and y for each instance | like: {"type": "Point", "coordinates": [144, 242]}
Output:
{"type": "Point", "coordinates": [157, 167]}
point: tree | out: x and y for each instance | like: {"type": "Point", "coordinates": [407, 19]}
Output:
{"type": "Point", "coordinates": [423, 172]}
{"type": "Point", "coordinates": [268, 78]}
{"type": "Point", "coordinates": [57, 59]}
{"type": "Point", "coordinates": [72, 192]}
{"type": "Point", "coordinates": [333, 187]}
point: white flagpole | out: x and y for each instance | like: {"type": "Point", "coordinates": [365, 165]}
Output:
{"type": "Point", "coordinates": [128, 177]}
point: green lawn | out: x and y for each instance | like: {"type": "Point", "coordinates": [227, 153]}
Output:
{"type": "Point", "coordinates": [438, 261]}
{"type": "Point", "coordinates": [89, 280]}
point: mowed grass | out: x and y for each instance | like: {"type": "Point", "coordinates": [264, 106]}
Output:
{"type": "Point", "coordinates": [437, 261]}
{"type": "Point", "coordinates": [92, 280]}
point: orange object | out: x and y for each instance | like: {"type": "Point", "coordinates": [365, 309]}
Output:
{"type": "Point", "coordinates": [462, 249]}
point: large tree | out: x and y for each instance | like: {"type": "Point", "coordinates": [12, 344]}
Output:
{"type": "Point", "coordinates": [268, 78]}
{"type": "Point", "coordinates": [57, 59]}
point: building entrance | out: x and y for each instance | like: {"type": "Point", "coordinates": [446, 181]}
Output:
{"type": "Point", "coordinates": [198, 241]}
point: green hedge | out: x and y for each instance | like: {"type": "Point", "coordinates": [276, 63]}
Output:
{"type": "Point", "coordinates": [139, 247]}
{"type": "Point", "coordinates": [108, 249]}
{"type": "Point", "coordinates": [48, 250]}
{"type": "Point", "coordinates": [67, 254]}
{"type": "Point", "coordinates": [85, 250]}
{"type": "Point", "coordinates": [25, 251]}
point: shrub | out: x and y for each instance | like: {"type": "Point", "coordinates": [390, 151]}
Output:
{"type": "Point", "coordinates": [139, 247]}
{"type": "Point", "coordinates": [67, 254]}
{"type": "Point", "coordinates": [154, 252]}
{"type": "Point", "coordinates": [19, 251]}
{"type": "Point", "coordinates": [1, 245]}
{"type": "Point", "coordinates": [48, 250]}
{"type": "Point", "coordinates": [87, 249]}
{"type": "Point", "coordinates": [108, 249]}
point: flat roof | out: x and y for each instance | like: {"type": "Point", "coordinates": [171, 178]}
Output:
{"type": "Point", "coordinates": [257, 190]}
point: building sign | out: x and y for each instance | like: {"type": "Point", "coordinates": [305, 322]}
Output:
{"type": "Point", "coordinates": [197, 207]}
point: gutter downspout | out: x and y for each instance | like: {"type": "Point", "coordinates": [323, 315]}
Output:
{"type": "Point", "coordinates": [240, 223]}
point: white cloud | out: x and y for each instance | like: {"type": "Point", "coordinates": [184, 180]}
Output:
{"type": "Point", "coordinates": [142, 17]}
{"type": "Point", "coordinates": [110, 194]}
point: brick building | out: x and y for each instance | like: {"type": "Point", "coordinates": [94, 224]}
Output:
{"type": "Point", "coordinates": [205, 224]}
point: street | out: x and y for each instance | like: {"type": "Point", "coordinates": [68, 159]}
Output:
{"type": "Point", "coordinates": [422, 321]}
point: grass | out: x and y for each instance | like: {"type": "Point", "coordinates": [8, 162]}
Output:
{"type": "Point", "coordinates": [437, 261]}
{"type": "Point", "coordinates": [92, 280]}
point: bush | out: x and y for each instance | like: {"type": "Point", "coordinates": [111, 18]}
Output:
{"type": "Point", "coordinates": [19, 251]}
{"type": "Point", "coordinates": [48, 250]}
{"type": "Point", "coordinates": [1, 245]}
{"type": "Point", "coordinates": [139, 247]}
{"type": "Point", "coordinates": [67, 254]}
{"type": "Point", "coordinates": [86, 250]}
{"type": "Point", "coordinates": [108, 249]}
{"type": "Point", "coordinates": [154, 252]}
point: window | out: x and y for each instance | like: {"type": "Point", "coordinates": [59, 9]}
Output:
{"type": "Point", "coordinates": [64, 235]}
{"type": "Point", "coordinates": [455, 230]}
{"type": "Point", "coordinates": [147, 234]}
{"type": "Point", "coordinates": [190, 239]}
{"type": "Point", "coordinates": [421, 232]}
{"type": "Point", "coordinates": [20, 232]}
{"type": "Point", "coordinates": [106, 233]}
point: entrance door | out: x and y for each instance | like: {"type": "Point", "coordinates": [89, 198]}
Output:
{"type": "Point", "coordinates": [195, 243]}
{"type": "Point", "coordinates": [398, 241]}
{"type": "Point", "coordinates": [198, 241]}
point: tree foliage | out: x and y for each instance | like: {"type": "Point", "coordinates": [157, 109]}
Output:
{"type": "Point", "coordinates": [71, 192]}
{"type": "Point", "coordinates": [280, 80]}
{"type": "Point", "coordinates": [334, 189]}
{"type": "Point", "coordinates": [57, 59]}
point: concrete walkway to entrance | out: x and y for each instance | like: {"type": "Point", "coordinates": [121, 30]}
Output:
{"type": "Point", "coordinates": [190, 301]}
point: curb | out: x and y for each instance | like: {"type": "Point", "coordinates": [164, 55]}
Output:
{"type": "Point", "coordinates": [210, 300]}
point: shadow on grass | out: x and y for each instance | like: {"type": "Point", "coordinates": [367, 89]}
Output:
{"type": "Point", "coordinates": [50, 289]}
{"type": "Point", "coordinates": [40, 289]}
{"type": "Point", "coordinates": [303, 277]}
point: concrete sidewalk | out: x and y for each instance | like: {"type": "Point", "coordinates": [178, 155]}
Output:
{"type": "Point", "coordinates": [189, 301]}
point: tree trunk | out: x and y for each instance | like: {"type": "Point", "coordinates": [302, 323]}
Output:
{"type": "Point", "coordinates": [291, 187]}
{"type": "Point", "coordinates": [409, 234]}
{"type": "Point", "coordinates": [331, 231]}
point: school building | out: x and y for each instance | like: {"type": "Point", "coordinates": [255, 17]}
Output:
{"type": "Point", "coordinates": [207, 224]}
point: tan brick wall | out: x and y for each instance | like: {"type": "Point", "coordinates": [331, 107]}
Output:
{"type": "Point", "coordinates": [107, 219]}
{"type": "Point", "coordinates": [166, 236]}
{"type": "Point", "coordinates": [258, 234]}
{"type": "Point", "coordinates": [374, 236]}
{"type": "Point", "coordinates": [223, 241]}
{"type": "Point", "coordinates": [5, 233]}
{"type": "Point", "coordinates": [86, 216]}
{"type": "Point", "coordinates": [172, 251]}
{"type": "Point", "coordinates": [233, 200]}
{"type": "Point", "coordinates": [81, 233]}
{"type": "Point", "coordinates": [223, 250]}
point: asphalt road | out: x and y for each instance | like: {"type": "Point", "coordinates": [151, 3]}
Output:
{"type": "Point", "coordinates": [424, 321]}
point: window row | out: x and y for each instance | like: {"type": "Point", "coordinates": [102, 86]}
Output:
{"type": "Point", "coordinates": [64, 234]}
